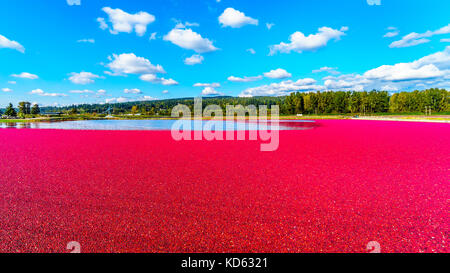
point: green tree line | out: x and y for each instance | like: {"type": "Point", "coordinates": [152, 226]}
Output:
{"type": "Point", "coordinates": [330, 102]}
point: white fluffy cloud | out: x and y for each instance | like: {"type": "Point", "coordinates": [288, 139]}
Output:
{"type": "Point", "coordinates": [6, 90]}
{"type": "Point", "coordinates": [41, 92]}
{"type": "Point", "coordinates": [168, 82]}
{"type": "Point", "coordinates": [282, 88]}
{"type": "Point", "coordinates": [278, 74]}
{"type": "Point", "coordinates": [129, 63]}
{"type": "Point", "coordinates": [430, 71]}
{"type": "Point", "coordinates": [235, 19]}
{"type": "Point", "coordinates": [346, 83]}
{"type": "Point", "coordinates": [244, 79]}
{"type": "Point", "coordinates": [154, 79]}
{"type": "Point", "coordinates": [117, 100]}
{"type": "Point", "coordinates": [194, 59]}
{"type": "Point", "coordinates": [413, 39]}
{"type": "Point", "coordinates": [125, 22]}
{"type": "Point", "coordinates": [273, 74]}
{"type": "Point", "coordinates": [25, 75]}
{"type": "Point", "coordinates": [6, 43]}
{"type": "Point", "coordinates": [404, 71]}
{"type": "Point", "coordinates": [132, 91]}
{"type": "Point", "coordinates": [83, 77]}
{"type": "Point", "coordinates": [188, 39]}
{"type": "Point", "coordinates": [299, 42]}
{"type": "Point", "coordinates": [73, 2]}
{"type": "Point", "coordinates": [210, 91]}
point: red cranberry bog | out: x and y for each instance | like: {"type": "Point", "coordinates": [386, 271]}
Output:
{"type": "Point", "coordinates": [334, 188]}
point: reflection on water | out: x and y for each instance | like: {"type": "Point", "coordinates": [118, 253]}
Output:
{"type": "Point", "coordinates": [215, 125]}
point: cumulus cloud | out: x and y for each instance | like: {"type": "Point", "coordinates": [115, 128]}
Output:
{"type": "Point", "coordinates": [125, 22]}
{"type": "Point", "coordinates": [194, 59]}
{"type": "Point", "coordinates": [244, 79]}
{"type": "Point", "coordinates": [132, 91]}
{"type": "Point", "coordinates": [83, 77]}
{"type": "Point", "coordinates": [209, 91]}
{"type": "Point", "coordinates": [188, 39]}
{"type": "Point", "coordinates": [273, 74]}
{"type": "Point", "coordinates": [154, 79]}
{"type": "Point", "coordinates": [299, 42]}
{"type": "Point", "coordinates": [129, 63]}
{"type": "Point", "coordinates": [413, 39]}
{"type": "Point", "coordinates": [73, 2]}
{"type": "Point", "coordinates": [41, 92]}
{"type": "Point", "coordinates": [6, 90]}
{"type": "Point", "coordinates": [6, 43]}
{"type": "Point", "coordinates": [429, 71]}
{"type": "Point", "coordinates": [235, 19]}
{"type": "Point", "coordinates": [404, 71]}
{"type": "Point", "coordinates": [117, 100]}
{"type": "Point", "coordinates": [168, 82]}
{"type": "Point", "coordinates": [25, 75]}
{"type": "Point", "coordinates": [278, 74]}
{"type": "Point", "coordinates": [283, 88]}
{"type": "Point", "coordinates": [347, 83]}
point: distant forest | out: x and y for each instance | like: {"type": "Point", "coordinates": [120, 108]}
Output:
{"type": "Point", "coordinates": [339, 102]}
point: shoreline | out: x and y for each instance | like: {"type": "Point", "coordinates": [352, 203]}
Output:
{"type": "Point", "coordinates": [407, 118]}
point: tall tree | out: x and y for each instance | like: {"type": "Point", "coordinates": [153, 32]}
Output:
{"type": "Point", "coordinates": [24, 108]}
{"type": "Point", "coordinates": [35, 110]}
{"type": "Point", "coordinates": [10, 111]}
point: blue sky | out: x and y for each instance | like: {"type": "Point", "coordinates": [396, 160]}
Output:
{"type": "Point", "coordinates": [60, 52]}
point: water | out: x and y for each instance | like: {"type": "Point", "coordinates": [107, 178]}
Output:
{"type": "Point", "coordinates": [162, 125]}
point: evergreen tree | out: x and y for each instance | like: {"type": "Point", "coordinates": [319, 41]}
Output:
{"type": "Point", "coordinates": [35, 110]}
{"type": "Point", "coordinates": [10, 111]}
